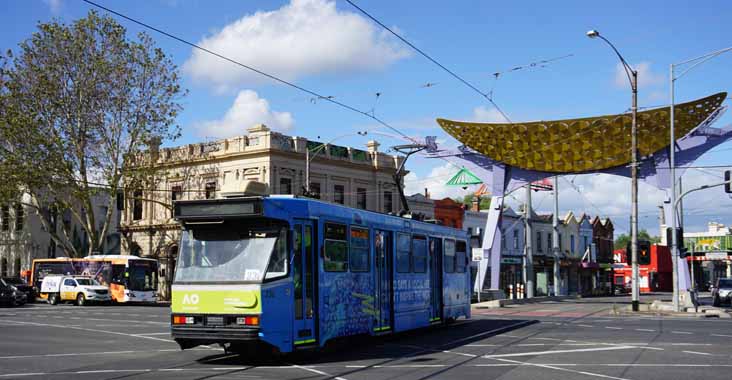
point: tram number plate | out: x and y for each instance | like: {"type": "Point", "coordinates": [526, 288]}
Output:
{"type": "Point", "coordinates": [215, 321]}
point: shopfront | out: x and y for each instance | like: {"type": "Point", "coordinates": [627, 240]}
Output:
{"type": "Point", "coordinates": [511, 281]}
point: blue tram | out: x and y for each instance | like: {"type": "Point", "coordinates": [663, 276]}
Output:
{"type": "Point", "coordinates": [296, 272]}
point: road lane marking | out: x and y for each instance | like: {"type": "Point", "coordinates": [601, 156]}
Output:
{"type": "Point", "coordinates": [159, 333]}
{"type": "Point", "coordinates": [681, 332]}
{"type": "Point", "coordinates": [481, 345]}
{"type": "Point", "coordinates": [648, 330]}
{"type": "Point", "coordinates": [461, 354]}
{"type": "Point", "coordinates": [726, 336]}
{"type": "Point", "coordinates": [313, 370]}
{"type": "Point", "coordinates": [613, 328]}
{"type": "Point", "coordinates": [585, 326]}
{"type": "Point", "coordinates": [564, 369]}
{"type": "Point", "coordinates": [698, 353]}
{"type": "Point", "coordinates": [494, 331]}
{"type": "Point", "coordinates": [90, 330]}
{"type": "Point", "coordinates": [536, 353]}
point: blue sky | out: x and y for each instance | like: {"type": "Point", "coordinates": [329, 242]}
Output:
{"type": "Point", "coordinates": [331, 48]}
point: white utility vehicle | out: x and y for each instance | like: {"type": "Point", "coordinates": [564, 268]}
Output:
{"type": "Point", "coordinates": [80, 289]}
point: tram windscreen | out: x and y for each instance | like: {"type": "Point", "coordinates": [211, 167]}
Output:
{"type": "Point", "coordinates": [232, 253]}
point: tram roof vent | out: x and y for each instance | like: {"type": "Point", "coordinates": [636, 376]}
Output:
{"type": "Point", "coordinates": [243, 188]}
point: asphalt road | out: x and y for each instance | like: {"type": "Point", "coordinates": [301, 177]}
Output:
{"type": "Point", "coordinates": [549, 340]}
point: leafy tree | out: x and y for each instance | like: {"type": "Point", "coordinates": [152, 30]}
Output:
{"type": "Point", "coordinates": [467, 200]}
{"type": "Point", "coordinates": [621, 242]}
{"type": "Point", "coordinates": [79, 106]}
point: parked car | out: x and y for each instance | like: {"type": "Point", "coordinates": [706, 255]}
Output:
{"type": "Point", "coordinates": [21, 285]}
{"type": "Point", "coordinates": [6, 295]}
{"type": "Point", "coordinates": [79, 289]}
{"type": "Point", "coordinates": [19, 298]}
{"type": "Point", "coordinates": [722, 292]}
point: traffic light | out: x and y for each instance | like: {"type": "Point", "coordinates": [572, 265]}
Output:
{"type": "Point", "coordinates": [728, 178]}
{"type": "Point", "coordinates": [679, 238]}
{"type": "Point", "coordinates": [644, 252]}
{"type": "Point", "coordinates": [684, 252]}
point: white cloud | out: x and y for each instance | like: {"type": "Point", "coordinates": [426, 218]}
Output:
{"type": "Point", "coordinates": [54, 5]}
{"type": "Point", "coordinates": [302, 38]}
{"type": "Point", "coordinates": [487, 115]}
{"type": "Point", "coordinates": [435, 183]}
{"type": "Point", "coordinates": [646, 77]}
{"type": "Point", "coordinates": [248, 109]}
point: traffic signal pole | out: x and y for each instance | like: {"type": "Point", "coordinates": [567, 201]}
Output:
{"type": "Point", "coordinates": [674, 206]}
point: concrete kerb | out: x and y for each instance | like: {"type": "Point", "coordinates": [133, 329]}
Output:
{"type": "Point", "coordinates": [505, 302]}
{"type": "Point", "coordinates": [660, 308]}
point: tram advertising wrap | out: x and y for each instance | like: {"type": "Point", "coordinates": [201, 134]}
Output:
{"type": "Point", "coordinates": [286, 273]}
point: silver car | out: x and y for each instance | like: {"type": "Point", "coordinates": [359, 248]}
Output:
{"type": "Point", "coordinates": [722, 292]}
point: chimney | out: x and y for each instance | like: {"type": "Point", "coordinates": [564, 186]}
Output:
{"type": "Point", "coordinates": [426, 193]}
{"type": "Point", "coordinates": [475, 204]}
{"type": "Point", "coordinates": [372, 146]}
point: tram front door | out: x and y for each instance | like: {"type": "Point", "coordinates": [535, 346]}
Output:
{"type": "Point", "coordinates": [435, 252]}
{"type": "Point", "coordinates": [304, 266]}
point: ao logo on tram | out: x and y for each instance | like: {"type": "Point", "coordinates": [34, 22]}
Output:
{"type": "Point", "coordinates": [294, 273]}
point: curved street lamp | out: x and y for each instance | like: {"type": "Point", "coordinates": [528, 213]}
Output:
{"type": "Point", "coordinates": [633, 78]}
{"type": "Point", "coordinates": [309, 156]}
{"type": "Point", "coordinates": [675, 198]}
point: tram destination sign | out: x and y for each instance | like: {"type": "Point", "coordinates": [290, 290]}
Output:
{"type": "Point", "coordinates": [218, 208]}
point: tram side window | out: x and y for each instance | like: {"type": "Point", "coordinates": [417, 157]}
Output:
{"type": "Point", "coordinates": [336, 248]}
{"type": "Point", "coordinates": [359, 256]}
{"type": "Point", "coordinates": [449, 256]}
{"type": "Point", "coordinates": [461, 256]}
{"type": "Point", "coordinates": [402, 257]}
{"type": "Point", "coordinates": [419, 254]}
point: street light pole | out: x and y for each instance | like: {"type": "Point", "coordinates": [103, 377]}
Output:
{"type": "Point", "coordinates": [633, 78]}
{"type": "Point", "coordinates": [317, 151]}
{"type": "Point", "coordinates": [672, 163]}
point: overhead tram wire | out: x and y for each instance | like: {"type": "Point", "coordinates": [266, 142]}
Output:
{"type": "Point", "coordinates": [316, 95]}
{"type": "Point", "coordinates": [420, 51]}
{"type": "Point", "coordinates": [260, 72]}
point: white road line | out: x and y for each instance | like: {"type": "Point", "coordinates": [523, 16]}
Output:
{"type": "Point", "coordinates": [316, 371]}
{"type": "Point", "coordinates": [91, 330]}
{"type": "Point", "coordinates": [602, 365]}
{"type": "Point", "coordinates": [484, 333]}
{"type": "Point", "coordinates": [461, 354]}
{"type": "Point", "coordinates": [544, 338]}
{"type": "Point", "coordinates": [481, 345]}
{"type": "Point", "coordinates": [681, 332]}
{"type": "Point", "coordinates": [564, 369]}
{"type": "Point", "coordinates": [160, 333]}
{"type": "Point", "coordinates": [726, 336]}
{"type": "Point", "coordinates": [585, 326]}
{"type": "Point", "coordinates": [535, 353]}
{"type": "Point", "coordinates": [648, 330]}
{"type": "Point", "coordinates": [530, 344]}
{"type": "Point", "coordinates": [698, 353]}
{"type": "Point", "coordinates": [689, 344]}
{"type": "Point", "coordinates": [613, 328]}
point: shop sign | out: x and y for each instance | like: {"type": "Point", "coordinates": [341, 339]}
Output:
{"type": "Point", "coordinates": [716, 255]}
{"type": "Point", "coordinates": [511, 260]}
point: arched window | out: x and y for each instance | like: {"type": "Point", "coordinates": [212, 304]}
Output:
{"type": "Point", "coordinates": [17, 267]}
{"type": "Point", "coordinates": [135, 250]}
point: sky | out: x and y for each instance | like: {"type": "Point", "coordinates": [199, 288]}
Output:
{"type": "Point", "coordinates": [329, 47]}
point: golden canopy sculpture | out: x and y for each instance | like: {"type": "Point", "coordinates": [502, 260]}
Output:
{"type": "Point", "coordinates": [580, 145]}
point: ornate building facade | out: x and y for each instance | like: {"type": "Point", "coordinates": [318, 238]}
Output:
{"type": "Point", "coordinates": [353, 177]}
